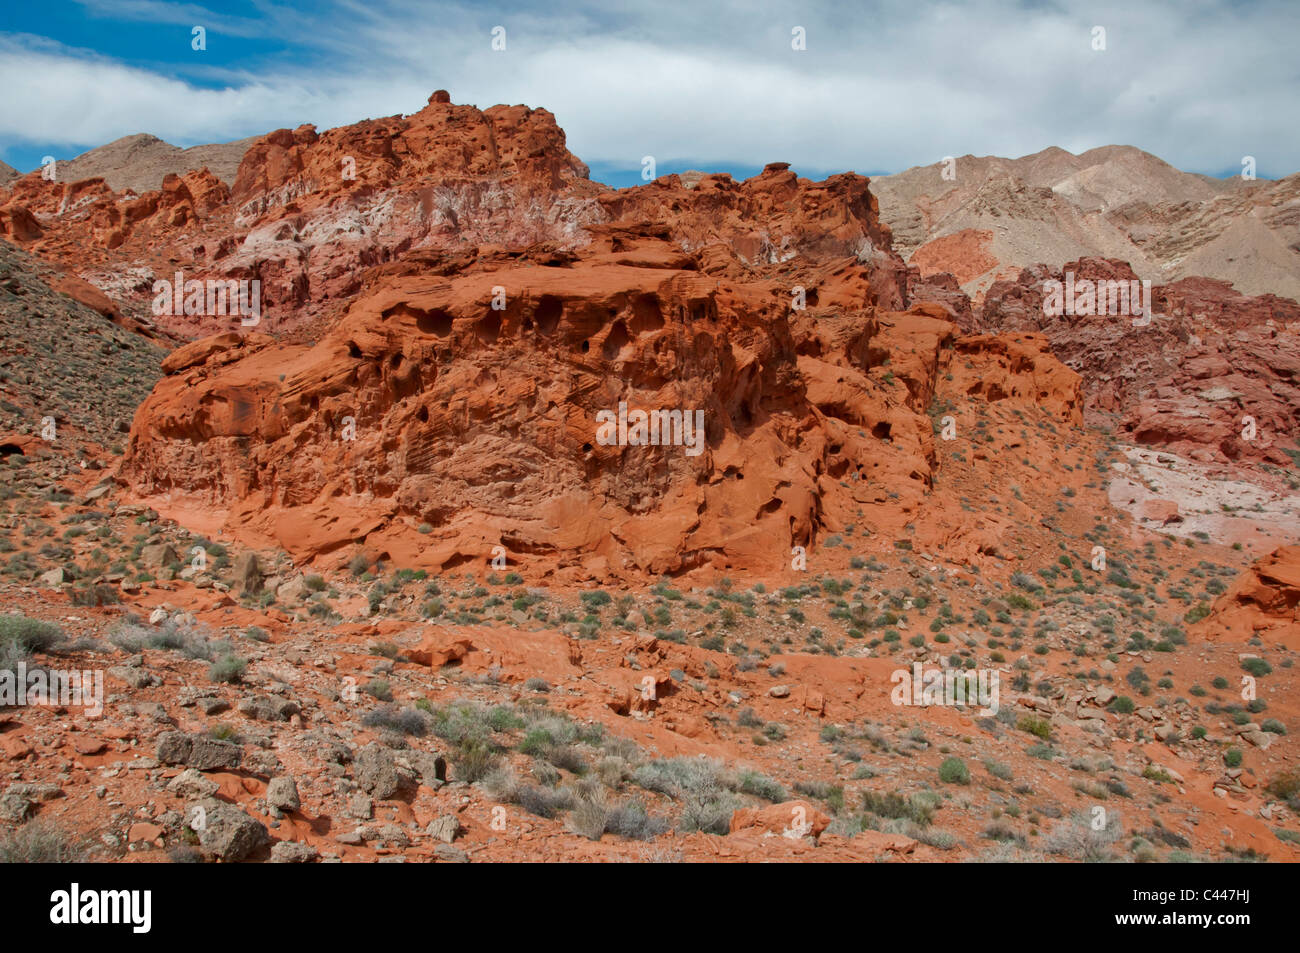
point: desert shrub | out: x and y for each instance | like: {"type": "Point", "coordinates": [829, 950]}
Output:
{"type": "Point", "coordinates": [917, 809]}
{"type": "Point", "coordinates": [1286, 785]}
{"type": "Point", "coordinates": [1003, 832]}
{"type": "Point", "coordinates": [406, 721]}
{"type": "Point", "coordinates": [588, 819]}
{"type": "Point", "coordinates": [711, 815]}
{"type": "Point", "coordinates": [1025, 581]}
{"type": "Point", "coordinates": [631, 820]}
{"type": "Point", "coordinates": [228, 668]}
{"type": "Point", "coordinates": [543, 801]}
{"type": "Point", "coordinates": [379, 688]}
{"type": "Point", "coordinates": [1075, 838]}
{"type": "Point", "coordinates": [1039, 727]}
{"type": "Point", "coordinates": [954, 771]}
{"type": "Point", "coordinates": [1256, 666]}
{"type": "Point", "coordinates": [760, 785]}
{"type": "Point", "coordinates": [39, 842]}
{"type": "Point", "coordinates": [1155, 773]}
{"type": "Point", "coordinates": [172, 635]}
{"type": "Point", "coordinates": [28, 635]}
{"type": "Point", "coordinates": [472, 760]}
{"type": "Point", "coordinates": [998, 769]}
{"type": "Point", "coordinates": [94, 595]}
{"type": "Point", "coordinates": [462, 722]}
{"type": "Point", "coordinates": [503, 718]}
{"type": "Point", "coordinates": [555, 748]}
{"type": "Point", "coordinates": [682, 777]}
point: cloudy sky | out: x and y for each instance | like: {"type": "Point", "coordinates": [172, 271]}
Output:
{"type": "Point", "coordinates": [880, 87]}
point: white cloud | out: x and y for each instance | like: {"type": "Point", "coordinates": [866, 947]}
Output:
{"type": "Point", "coordinates": [896, 84]}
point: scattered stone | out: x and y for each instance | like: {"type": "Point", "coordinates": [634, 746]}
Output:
{"type": "Point", "coordinates": [247, 576]}
{"type": "Point", "coordinates": [267, 708]}
{"type": "Point", "coordinates": [450, 855]}
{"type": "Point", "coordinates": [226, 831]}
{"type": "Point", "coordinates": [445, 828]}
{"type": "Point", "coordinates": [191, 784]}
{"type": "Point", "coordinates": [282, 794]}
{"type": "Point", "coordinates": [15, 808]}
{"type": "Point", "coordinates": [293, 852]}
{"type": "Point", "coordinates": [198, 751]}
{"type": "Point", "coordinates": [212, 706]}
{"type": "Point", "coordinates": [377, 773]}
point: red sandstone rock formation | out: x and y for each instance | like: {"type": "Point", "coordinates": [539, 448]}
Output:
{"type": "Point", "coordinates": [476, 428]}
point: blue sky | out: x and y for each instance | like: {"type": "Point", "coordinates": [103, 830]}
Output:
{"type": "Point", "coordinates": [880, 87]}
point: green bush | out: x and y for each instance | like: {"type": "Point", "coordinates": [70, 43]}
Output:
{"type": "Point", "coordinates": [892, 805]}
{"type": "Point", "coordinates": [228, 668]}
{"type": "Point", "coordinates": [1286, 785]}
{"type": "Point", "coordinates": [28, 635]}
{"type": "Point", "coordinates": [998, 769]}
{"type": "Point", "coordinates": [39, 842]}
{"type": "Point", "coordinates": [1040, 727]}
{"type": "Point", "coordinates": [954, 771]}
{"type": "Point", "coordinates": [1256, 666]}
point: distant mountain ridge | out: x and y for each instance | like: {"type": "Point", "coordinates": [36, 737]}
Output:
{"type": "Point", "coordinates": [994, 216]}
{"type": "Point", "coordinates": [140, 162]}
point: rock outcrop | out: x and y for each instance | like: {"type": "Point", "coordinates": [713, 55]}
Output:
{"type": "Point", "coordinates": [430, 428]}
{"type": "Point", "coordinates": [1263, 601]}
{"type": "Point", "coordinates": [1209, 359]}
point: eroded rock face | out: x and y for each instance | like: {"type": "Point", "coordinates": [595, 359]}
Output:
{"type": "Point", "coordinates": [310, 214]}
{"type": "Point", "coordinates": [1209, 359]}
{"type": "Point", "coordinates": [309, 211]}
{"type": "Point", "coordinates": [429, 427]}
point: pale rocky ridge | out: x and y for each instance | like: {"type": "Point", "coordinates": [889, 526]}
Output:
{"type": "Point", "coordinates": [140, 162]}
{"type": "Point", "coordinates": [999, 215]}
